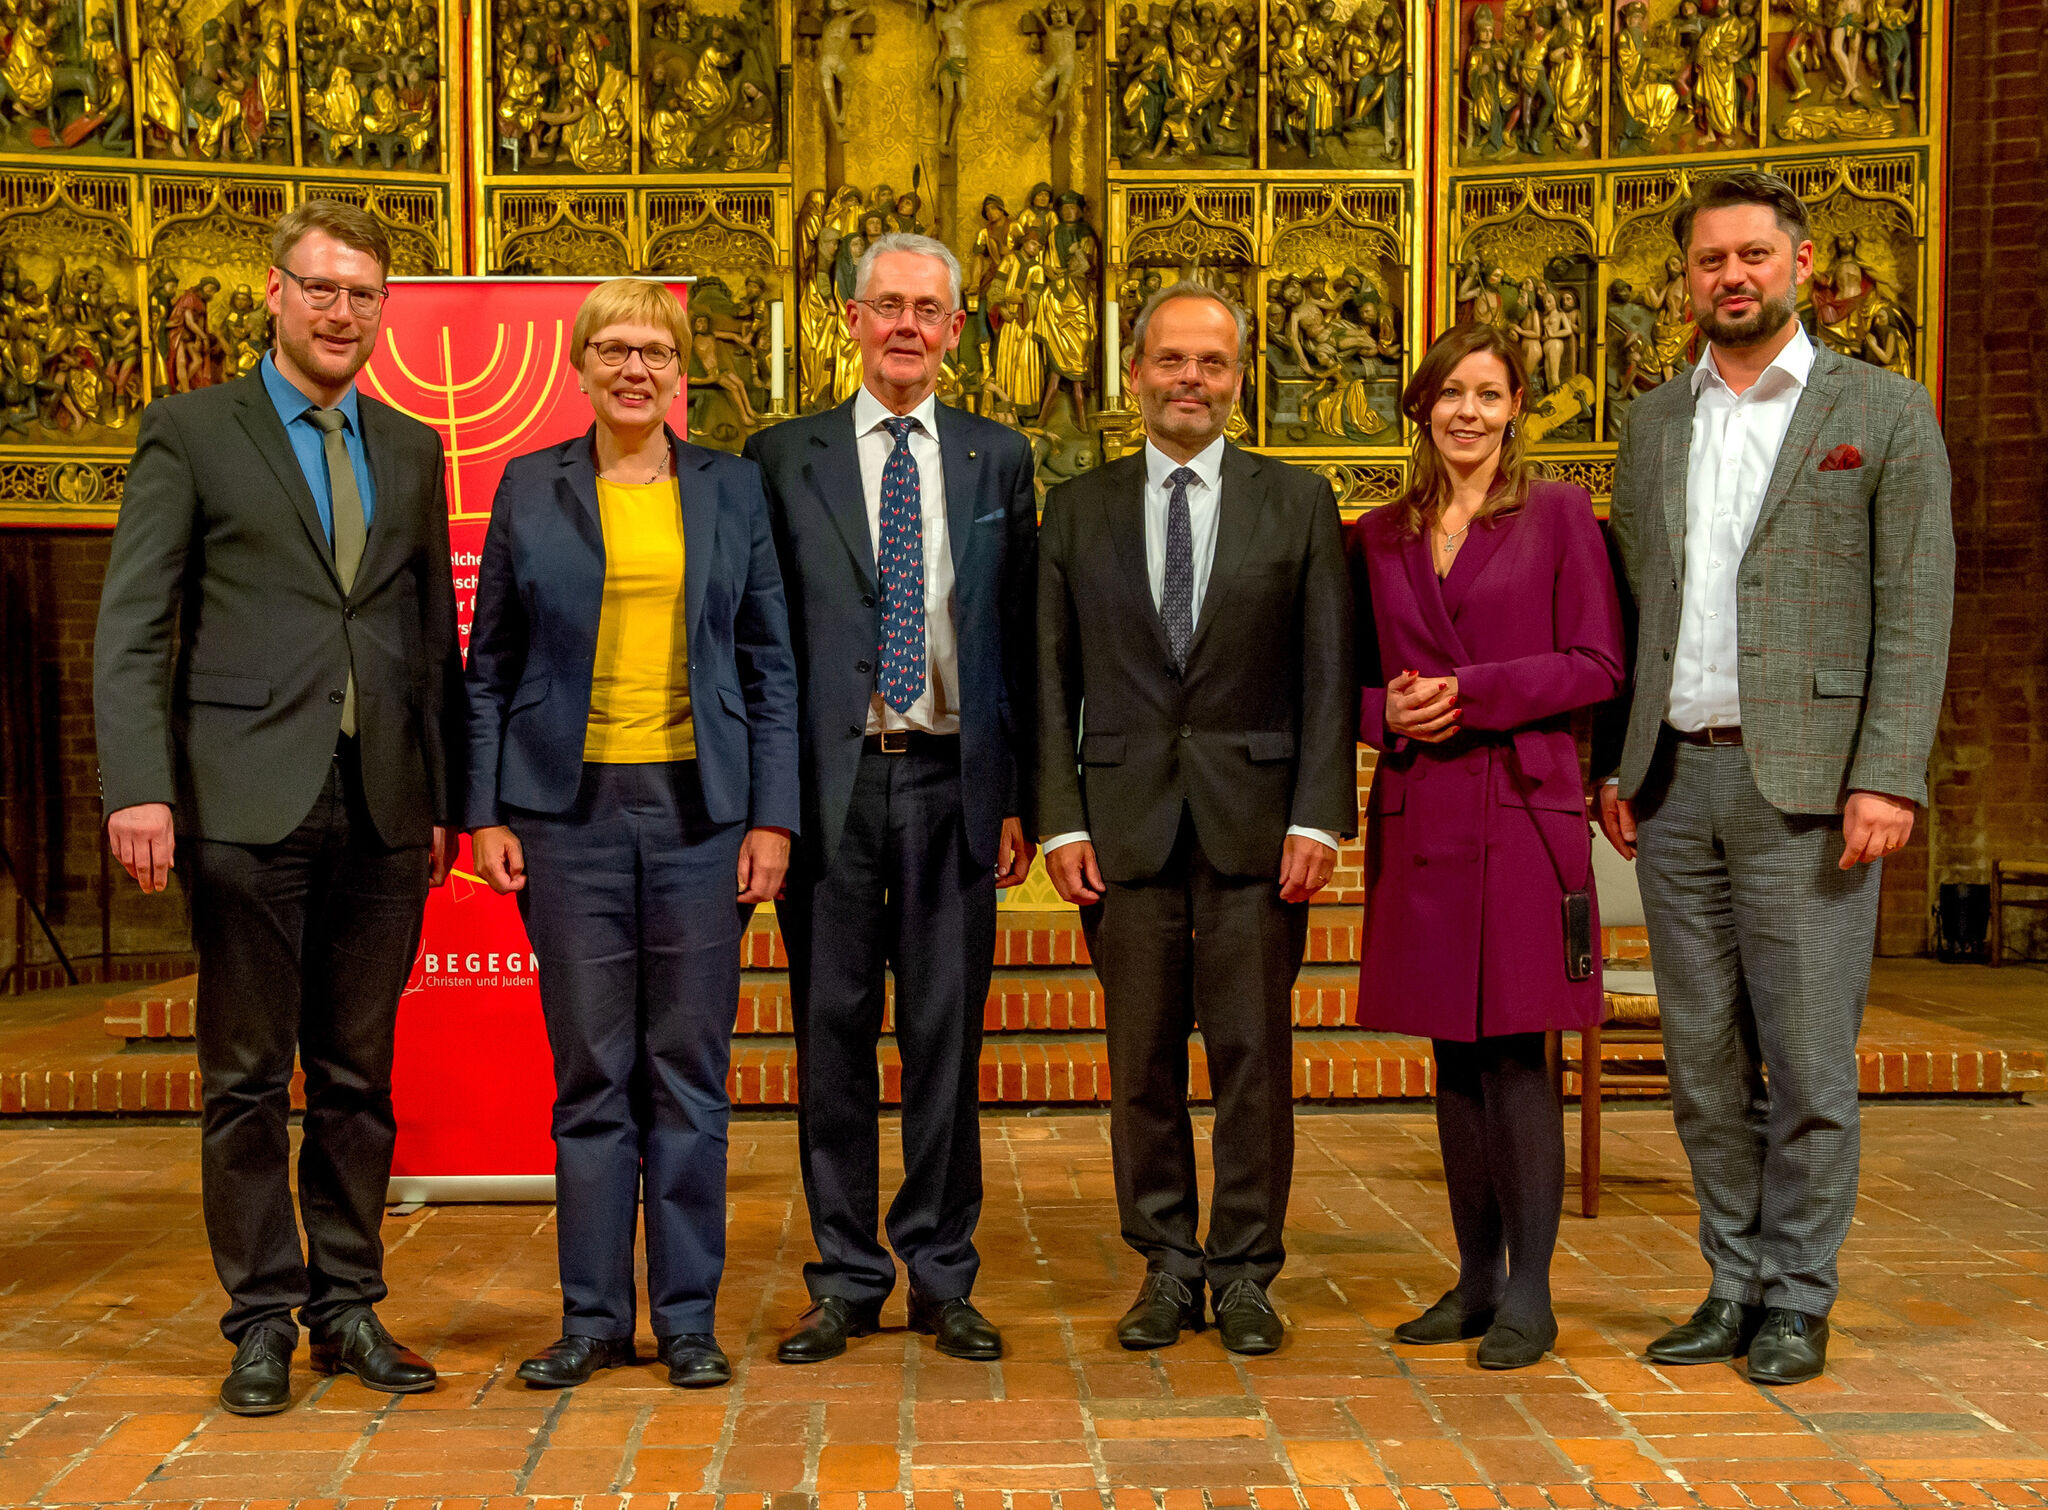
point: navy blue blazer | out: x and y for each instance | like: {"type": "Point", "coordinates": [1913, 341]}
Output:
{"type": "Point", "coordinates": [811, 467]}
{"type": "Point", "coordinates": [533, 640]}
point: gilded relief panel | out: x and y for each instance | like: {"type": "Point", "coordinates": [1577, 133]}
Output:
{"type": "Point", "coordinates": [209, 259]}
{"type": "Point", "coordinates": [1528, 85]}
{"type": "Point", "coordinates": [1685, 76]}
{"type": "Point", "coordinates": [71, 358]}
{"type": "Point", "coordinates": [1335, 316]}
{"type": "Point", "coordinates": [1866, 299]}
{"type": "Point", "coordinates": [562, 87]}
{"type": "Point", "coordinates": [1845, 70]}
{"type": "Point", "coordinates": [1523, 260]}
{"type": "Point", "coordinates": [66, 80]}
{"type": "Point", "coordinates": [1184, 85]}
{"type": "Point", "coordinates": [1338, 83]}
{"type": "Point", "coordinates": [710, 89]}
{"type": "Point", "coordinates": [1647, 333]}
{"type": "Point", "coordinates": [730, 241]}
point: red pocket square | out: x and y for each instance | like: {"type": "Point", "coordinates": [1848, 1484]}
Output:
{"type": "Point", "coordinates": [1844, 458]}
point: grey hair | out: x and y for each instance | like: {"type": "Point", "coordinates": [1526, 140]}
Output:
{"type": "Point", "coordinates": [1187, 288]}
{"type": "Point", "coordinates": [915, 246]}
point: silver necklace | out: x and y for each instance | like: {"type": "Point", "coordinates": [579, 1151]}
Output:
{"type": "Point", "coordinates": [660, 471]}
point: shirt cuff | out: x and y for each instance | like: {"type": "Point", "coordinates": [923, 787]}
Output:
{"type": "Point", "coordinates": [1078, 836]}
{"type": "Point", "coordinates": [1612, 781]}
{"type": "Point", "coordinates": [1322, 836]}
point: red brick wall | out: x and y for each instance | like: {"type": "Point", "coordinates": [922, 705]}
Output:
{"type": "Point", "coordinates": [55, 575]}
{"type": "Point", "coordinates": [1990, 794]}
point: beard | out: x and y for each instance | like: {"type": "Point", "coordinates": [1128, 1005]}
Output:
{"type": "Point", "coordinates": [1768, 318]}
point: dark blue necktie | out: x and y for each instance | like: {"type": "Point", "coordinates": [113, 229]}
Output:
{"type": "Point", "coordinates": [1177, 592]}
{"type": "Point", "coordinates": [902, 566]}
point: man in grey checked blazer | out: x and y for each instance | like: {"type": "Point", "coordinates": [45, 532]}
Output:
{"type": "Point", "coordinates": [1782, 516]}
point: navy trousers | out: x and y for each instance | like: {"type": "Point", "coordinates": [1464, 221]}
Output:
{"type": "Point", "coordinates": [903, 895]}
{"type": "Point", "coordinates": [630, 903]}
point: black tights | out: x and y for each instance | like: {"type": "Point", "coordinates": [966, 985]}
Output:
{"type": "Point", "coordinates": [1502, 1132]}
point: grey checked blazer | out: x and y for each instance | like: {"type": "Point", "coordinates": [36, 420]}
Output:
{"type": "Point", "coordinates": [1844, 592]}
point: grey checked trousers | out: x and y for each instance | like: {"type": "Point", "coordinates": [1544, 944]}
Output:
{"type": "Point", "coordinates": [1762, 948]}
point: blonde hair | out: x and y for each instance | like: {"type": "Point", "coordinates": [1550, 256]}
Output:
{"type": "Point", "coordinates": [1429, 479]}
{"type": "Point", "coordinates": [628, 301]}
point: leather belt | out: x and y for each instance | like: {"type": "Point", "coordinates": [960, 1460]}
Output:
{"type": "Point", "coordinates": [1729, 735]}
{"type": "Point", "coordinates": [903, 741]}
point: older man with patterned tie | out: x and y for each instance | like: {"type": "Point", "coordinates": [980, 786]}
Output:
{"type": "Point", "coordinates": [906, 531]}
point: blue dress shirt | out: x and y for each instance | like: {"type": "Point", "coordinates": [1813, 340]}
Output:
{"type": "Point", "coordinates": [309, 444]}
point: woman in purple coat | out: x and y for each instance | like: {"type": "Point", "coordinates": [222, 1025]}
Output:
{"type": "Point", "coordinates": [1486, 616]}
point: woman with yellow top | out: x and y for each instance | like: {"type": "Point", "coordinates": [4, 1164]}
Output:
{"type": "Point", "coordinates": [633, 778]}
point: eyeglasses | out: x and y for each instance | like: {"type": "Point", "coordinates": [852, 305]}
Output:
{"type": "Point", "coordinates": [1168, 364]}
{"type": "Point", "coordinates": [655, 355]}
{"type": "Point", "coordinates": [320, 293]}
{"type": "Point", "coordinates": [929, 312]}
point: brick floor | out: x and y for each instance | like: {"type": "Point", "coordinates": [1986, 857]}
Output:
{"type": "Point", "coordinates": [1938, 1396]}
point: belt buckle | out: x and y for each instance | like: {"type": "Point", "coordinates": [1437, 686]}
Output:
{"type": "Point", "coordinates": [895, 741]}
{"type": "Point", "coordinates": [1723, 734]}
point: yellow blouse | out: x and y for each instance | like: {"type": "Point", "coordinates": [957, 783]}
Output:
{"type": "Point", "coordinates": [640, 685]}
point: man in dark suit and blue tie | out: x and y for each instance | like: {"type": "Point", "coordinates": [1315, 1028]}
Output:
{"type": "Point", "coordinates": [906, 532]}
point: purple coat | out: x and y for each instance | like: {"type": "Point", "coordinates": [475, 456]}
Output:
{"type": "Point", "coordinates": [1464, 932]}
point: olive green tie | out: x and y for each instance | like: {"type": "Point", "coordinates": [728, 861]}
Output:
{"type": "Point", "coordinates": [346, 506]}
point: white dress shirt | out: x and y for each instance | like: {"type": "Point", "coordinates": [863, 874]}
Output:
{"type": "Point", "coordinates": [1735, 444]}
{"type": "Point", "coordinates": [1205, 507]}
{"type": "Point", "coordinates": [937, 710]}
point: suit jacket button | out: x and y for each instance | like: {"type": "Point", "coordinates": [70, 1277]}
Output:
{"type": "Point", "coordinates": [1422, 859]}
{"type": "Point", "coordinates": [853, 729]}
{"type": "Point", "coordinates": [348, 613]}
{"type": "Point", "coordinates": [867, 600]}
{"type": "Point", "coordinates": [1667, 655]}
{"type": "Point", "coordinates": [1186, 732]}
{"type": "Point", "coordinates": [862, 667]}
{"type": "Point", "coordinates": [334, 697]}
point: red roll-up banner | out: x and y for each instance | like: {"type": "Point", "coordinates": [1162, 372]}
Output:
{"type": "Point", "coordinates": [485, 363]}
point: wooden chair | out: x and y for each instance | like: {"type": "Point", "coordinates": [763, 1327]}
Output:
{"type": "Point", "coordinates": [2028, 874]}
{"type": "Point", "coordinates": [1630, 1017]}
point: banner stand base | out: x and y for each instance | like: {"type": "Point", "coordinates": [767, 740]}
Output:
{"type": "Point", "coordinates": [456, 1189]}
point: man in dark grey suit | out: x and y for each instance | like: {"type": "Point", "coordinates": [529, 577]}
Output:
{"type": "Point", "coordinates": [1195, 648]}
{"type": "Point", "coordinates": [906, 532]}
{"type": "Point", "coordinates": [277, 692]}
{"type": "Point", "coordinates": [1782, 514]}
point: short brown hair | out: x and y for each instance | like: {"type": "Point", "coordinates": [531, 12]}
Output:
{"type": "Point", "coordinates": [333, 217]}
{"type": "Point", "coordinates": [628, 301]}
{"type": "Point", "coordinates": [1745, 186]}
{"type": "Point", "coordinates": [1429, 482]}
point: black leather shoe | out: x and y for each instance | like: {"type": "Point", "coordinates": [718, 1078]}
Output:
{"type": "Point", "coordinates": [695, 1360]}
{"type": "Point", "coordinates": [821, 1332]}
{"type": "Point", "coordinates": [1790, 1348]}
{"type": "Point", "coordinates": [572, 1360]}
{"type": "Point", "coordinates": [1165, 1308]}
{"type": "Point", "coordinates": [1719, 1332]}
{"type": "Point", "coordinates": [1446, 1321]}
{"type": "Point", "coordinates": [1517, 1341]}
{"type": "Point", "coordinates": [1246, 1319]}
{"type": "Point", "coordinates": [259, 1382]}
{"type": "Point", "coordinates": [361, 1346]}
{"type": "Point", "coordinates": [958, 1329]}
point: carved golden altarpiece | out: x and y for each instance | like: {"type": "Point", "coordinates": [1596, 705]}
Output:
{"type": "Point", "coordinates": [1358, 173]}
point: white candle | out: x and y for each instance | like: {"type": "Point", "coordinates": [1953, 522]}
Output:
{"type": "Point", "coordinates": [1112, 343]}
{"type": "Point", "coordinates": [775, 363]}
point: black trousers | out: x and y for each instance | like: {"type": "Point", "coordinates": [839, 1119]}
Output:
{"type": "Point", "coordinates": [1193, 948]}
{"type": "Point", "coordinates": [902, 895]}
{"type": "Point", "coordinates": [629, 902]}
{"type": "Point", "coordinates": [304, 945]}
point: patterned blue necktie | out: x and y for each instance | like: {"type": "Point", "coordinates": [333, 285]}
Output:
{"type": "Point", "coordinates": [902, 566]}
{"type": "Point", "coordinates": [1177, 592]}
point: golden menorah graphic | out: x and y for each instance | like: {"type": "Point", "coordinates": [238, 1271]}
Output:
{"type": "Point", "coordinates": [487, 414]}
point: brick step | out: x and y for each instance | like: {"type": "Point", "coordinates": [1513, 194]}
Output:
{"type": "Point", "coordinates": [1019, 1001]}
{"type": "Point", "coordinates": [1343, 1067]}
{"type": "Point", "coordinates": [1053, 939]}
